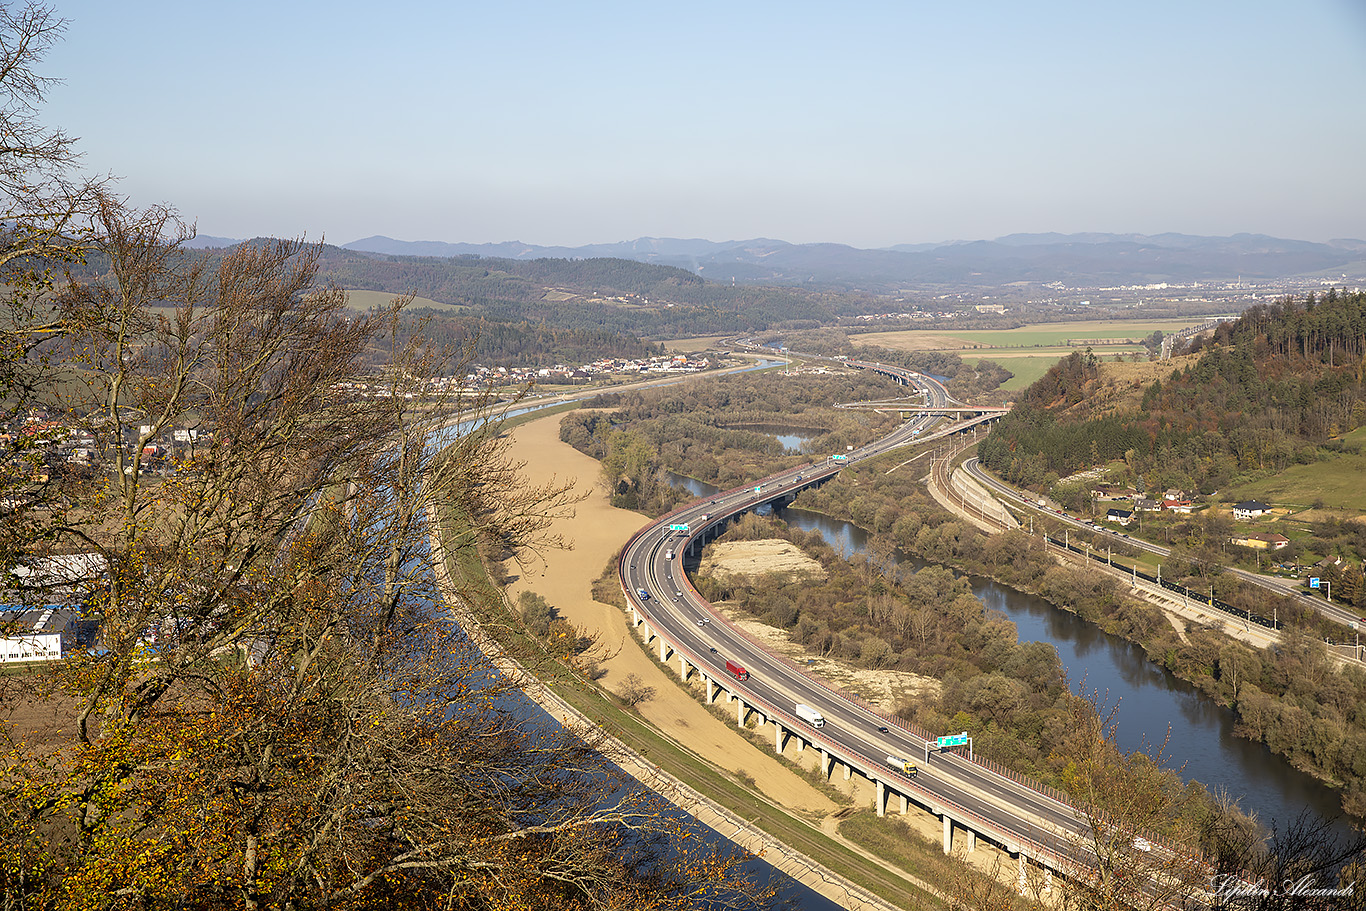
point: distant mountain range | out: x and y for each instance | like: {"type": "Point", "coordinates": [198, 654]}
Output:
{"type": "Point", "coordinates": [1076, 260]}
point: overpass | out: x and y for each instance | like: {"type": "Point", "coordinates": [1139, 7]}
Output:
{"type": "Point", "coordinates": [907, 408]}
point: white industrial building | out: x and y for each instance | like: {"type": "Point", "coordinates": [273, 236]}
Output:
{"type": "Point", "coordinates": [38, 634]}
{"type": "Point", "coordinates": [40, 617]}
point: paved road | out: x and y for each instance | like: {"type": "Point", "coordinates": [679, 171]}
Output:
{"type": "Point", "coordinates": [1282, 587]}
{"type": "Point", "coordinates": [652, 573]}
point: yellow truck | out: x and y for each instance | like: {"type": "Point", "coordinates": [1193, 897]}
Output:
{"type": "Point", "coordinates": [905, 766]}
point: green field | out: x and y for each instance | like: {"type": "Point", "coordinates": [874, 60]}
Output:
{"type": "Point", "coordinates": [700, 343]}
{"type": "Point", "coordinates": [1027, 369]}
{"type": "Point", "coordinates": [1336, 481]}
{"type": "Point", "coordinates": [1029, 351]}
{"type": "Point", "coordinates": [1066, 336]}
{"type": "Point", "coordinates": [369, 300]}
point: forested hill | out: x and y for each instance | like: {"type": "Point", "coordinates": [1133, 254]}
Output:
{"type": "Point", "coordinates": [1076, 259]}
{"type": "Point", "coordinates": [589, 294]}
{"type": "Point", "coordinates": [616, 295]}
{"type": "Point", "coordinates": [499, 344]}
{"type": "Point", "coordinates": [447, 279]}
{"type": "Point", "coordinates": [1267, 391]}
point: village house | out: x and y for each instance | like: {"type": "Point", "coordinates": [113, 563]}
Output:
{"type": "Point", "coordinates": [1122, 516]}
{"type": "Point", "coordinates": [1262, 541]}
{"type": "Point", "coordinates": [1250, 509]}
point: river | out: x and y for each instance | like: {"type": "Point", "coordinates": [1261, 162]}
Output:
{"type": "Point", "coordinates": [1150, 701]}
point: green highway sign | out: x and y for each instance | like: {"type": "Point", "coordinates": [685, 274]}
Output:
{"type": "Point", "coordinates": [678, 528]}
{"type": "Point", "coordinates": [953, 740]}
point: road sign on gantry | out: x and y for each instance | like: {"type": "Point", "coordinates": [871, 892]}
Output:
{"type": "Point", "coordinates": [953, 740]}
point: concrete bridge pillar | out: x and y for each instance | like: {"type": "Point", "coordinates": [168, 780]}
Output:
{"type": "Point", "coordinates": [663, 650]}
{"type": "Point", "coordinates": [1023, 882]}
{"type": "Point", "coordinates": [635, 616]}
{"type": "Point", "coordinates": [880, 798]}
{"type": "Point", "coordinates": [972, 839]}
{"type": "Point", "coordinates": [848, 771]}
{"type": "Point", "coordinates": [684, 668]}
{"type": "Point", "coordinates": [779, 737]}
{"type": "Point", "coordinates": [1047, 881]}
{"type": "Point", "coordinates": [801, 743]}
{"type": "Point", "coordinates": [649, 634]}
{"type": "Point", "coordinates": [711, 690]}
{"type": "Point", "coordinates": [825, 764]}
{"type": "Point", "coordinates": [741, 712]}
{"type": "Point", "coordinates": [905, 804]}
{"type": "Point", "coordinates": [948, 834]}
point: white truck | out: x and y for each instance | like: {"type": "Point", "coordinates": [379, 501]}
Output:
{"type": "Point", "coordinates": [810, 716]}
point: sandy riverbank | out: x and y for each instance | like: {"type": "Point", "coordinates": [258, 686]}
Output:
{"type": "Point", "coordinates": [564, 578]}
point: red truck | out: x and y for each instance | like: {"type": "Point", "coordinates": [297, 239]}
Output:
{"type": "Point", "coordinates": [737, 671]}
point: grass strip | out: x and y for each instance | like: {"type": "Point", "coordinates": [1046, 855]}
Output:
{"type": "Point", "coordinates": [921, 856]}
{"type": "Point", "coordinates": [603, 710]}
{"type": "Point", "coordinates": [676, 761]}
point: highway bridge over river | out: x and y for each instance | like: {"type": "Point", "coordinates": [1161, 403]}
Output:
{"type": "Point", "coordinates": [973, 798]}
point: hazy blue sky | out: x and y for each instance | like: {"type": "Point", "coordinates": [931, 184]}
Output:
{"type": "Point", "coordinates": [869, 124]}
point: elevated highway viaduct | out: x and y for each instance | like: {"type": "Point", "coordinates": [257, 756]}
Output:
{"type": "Point", "coordinates": [1032, 822]}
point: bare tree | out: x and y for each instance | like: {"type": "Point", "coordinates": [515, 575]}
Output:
{"type": "Point", "coordinates": [44, 197]}
{"type": "Point", "coordinates": [1140, 849]}
{"type": "Point", "coordinates": [283, 711]}
{"type": "Point", "coordinates": [634, 691]}
{"type": "Point", "coordinates": [41, 227]}
{"type": "Point", "coordinates": [1307, 863]}
{"type": "Point", "coordinates": [995, 889]}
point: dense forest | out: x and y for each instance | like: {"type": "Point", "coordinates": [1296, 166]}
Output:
{"type": "Point", "coordinates": [1268, 390]}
